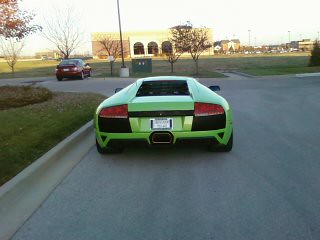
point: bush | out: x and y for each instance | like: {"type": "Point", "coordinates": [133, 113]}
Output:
{"type": "Point", "coordinates": [315, 55]}
{"type": "Point", "coordinates": [13, 96]}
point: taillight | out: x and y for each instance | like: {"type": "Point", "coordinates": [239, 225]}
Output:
{"type": "Point", "coordinates": [207, 109]}
{"type": "Point", "coordinates": [120, 111]}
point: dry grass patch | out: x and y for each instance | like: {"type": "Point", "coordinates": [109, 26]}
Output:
{"type": "Point", "coordinates": [13, 96]}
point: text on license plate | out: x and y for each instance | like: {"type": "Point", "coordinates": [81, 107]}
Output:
{"type": "Point", "coordinates": [161, 123]}
{"type": "Point", "coordinates": [66, 69]}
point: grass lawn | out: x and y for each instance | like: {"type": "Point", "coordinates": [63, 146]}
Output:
{"type": "Point", "coordinates": [29, 69]}
{"type": "Point", "coordinates": [259, 65]}
{"type": "Point", "coordinates": [28, 132]}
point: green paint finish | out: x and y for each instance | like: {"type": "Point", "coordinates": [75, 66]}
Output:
{"type": "Point", "coordinates": [141, 127]}
{"type": "Point", "coordinates": [161, 103]}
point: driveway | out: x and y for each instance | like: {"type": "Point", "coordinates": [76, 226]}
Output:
{"type": "Point", "coordinates": [267, 187]}
{"type": "Point", "coordinates": [96, 85]}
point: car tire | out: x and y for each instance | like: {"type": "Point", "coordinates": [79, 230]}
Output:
{"type": "Point", "coordinates": [82, 76]}
{"type": "Point", "coordinates": [59, 78]}
{"type": "Point", "coordinates": [214, 147]}
{"type": "Point", "coordinates": [108, 149]}
{"type": "Point", "coordinates": [228, 146]}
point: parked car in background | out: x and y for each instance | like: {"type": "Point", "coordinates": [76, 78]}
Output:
{"type": "Point", "coordinates": [73, 68]}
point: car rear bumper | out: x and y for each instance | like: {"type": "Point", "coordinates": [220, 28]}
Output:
{"type": "Point", "coordinates": [220, 136]}
{"type": "Point", "coordinates": [69, 74]}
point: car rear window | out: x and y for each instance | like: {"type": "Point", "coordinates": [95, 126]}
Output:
{"type": "Point", "coordinates": [68, 62]}
{"type": "Point", "coordinates": [163, 88]}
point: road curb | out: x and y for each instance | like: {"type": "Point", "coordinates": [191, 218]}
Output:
{"type": "Point", "coordinates": [308, 74]}
{"type": "Point", "coordinates": [23, 194]}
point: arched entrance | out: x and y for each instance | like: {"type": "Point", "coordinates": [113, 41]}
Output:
{"type": "Point", "coordinates": [153, 48]}
{"type": "Point", "coordinates": [166, 47]}
{"type": "Point", "coordinates": [138, 48]}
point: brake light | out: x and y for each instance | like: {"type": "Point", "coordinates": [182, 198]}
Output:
{"type": "Point", "coordinates": [120, 111]}
{"type": "Point", "coordinates": [207, 109]}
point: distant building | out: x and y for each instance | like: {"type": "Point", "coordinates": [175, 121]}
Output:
{"type": "Point", "coordinates": [48, 54]}
{"type": "Point", "coordinates": [303, 45]}
{"type": "Point", "coordinates": [226, 46]}
{"type": "Point", "coordinates": [139, 43]}
{"type": "Point", "coordinates": [306, 45]}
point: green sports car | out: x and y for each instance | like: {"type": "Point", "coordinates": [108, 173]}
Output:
{"type": "Point", "coordinates": [164, 110]}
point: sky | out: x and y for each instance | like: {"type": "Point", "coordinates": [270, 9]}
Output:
{"type": "Point", "coordinates": [269, 22]}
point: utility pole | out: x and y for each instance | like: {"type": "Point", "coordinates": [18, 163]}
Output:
{"type": "Point", "coordinates": [249, 31]}
{"type": "Point", "coordinates": [121, 45]}
{"type": "Point", "coordinates": [124, 71]}
{"type": "Point", "coordinates": [289, 36]}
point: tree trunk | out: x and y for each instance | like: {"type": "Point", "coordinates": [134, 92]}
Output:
{"type": "Point", "coordinates": [197, 67]}
{"type": "Point", "coordinates": [171, 67]}
{"type": "Point", "coordinates": [111, 68]}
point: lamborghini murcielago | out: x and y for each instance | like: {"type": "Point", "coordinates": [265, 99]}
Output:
{"type": "Point", "coordinates": [164, 110]}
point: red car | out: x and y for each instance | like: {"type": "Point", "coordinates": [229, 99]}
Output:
{"type": "Point", "coordinates": [73, 68]}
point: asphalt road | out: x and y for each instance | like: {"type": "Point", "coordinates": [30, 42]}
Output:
{"type": "Point", "coordinates": [267, 187]}
{"type": "Point", "coordinates": [96, 85]}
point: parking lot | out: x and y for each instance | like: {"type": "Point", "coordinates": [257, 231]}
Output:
{"type": "Point", "coordinates": [267, 187]}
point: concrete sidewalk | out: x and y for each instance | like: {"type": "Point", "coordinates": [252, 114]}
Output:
{"type": "Point", "coordinates": [317, 74]}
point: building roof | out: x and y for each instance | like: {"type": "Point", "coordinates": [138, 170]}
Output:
{"type": "Point", "coordinates": [163, 34]}
{"type": "Point", "coordinates": [235, 40]}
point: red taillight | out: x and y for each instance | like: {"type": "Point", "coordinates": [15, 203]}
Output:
{"type": "Point", "coordinates": [207, 109]}
{"type": "Point", "coordinates": [120, 111]}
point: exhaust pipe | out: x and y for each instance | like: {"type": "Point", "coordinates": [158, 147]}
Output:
{"type": "Point", "coordinates": [161, 138]}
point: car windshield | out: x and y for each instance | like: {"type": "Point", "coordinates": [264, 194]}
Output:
{"type": "Point", "coordinates": [69, 62]}
{"type": "Point", "coordinates": [163, 88]}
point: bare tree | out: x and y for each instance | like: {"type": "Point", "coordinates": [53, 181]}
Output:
{"type": "Point", "coordinates": [11, 49]}
{"type": "Point", "coordinates": [15, 25]}
{"type": "Point", "coordinates": [199, 43]}
{"type": "Point", "coordinates": [63, 31]}
{"type": "Point", "coordinates": [111, 48]}
{"type": "Point", "coordinates": [172, 53]}
{"type": "Point", "coordinates": [192, 40]}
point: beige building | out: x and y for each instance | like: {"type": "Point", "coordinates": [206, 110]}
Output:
{"type": "Point", "coordinates": [303, 45]}
{"type": "Point", "coordinates": [48, 54]}
{"type": "Point", "coordinates": [226, 46]}
{"type": "Point", "coordinates": [306, 45]}
{"type": "Point", "coordinates": [139, 43]}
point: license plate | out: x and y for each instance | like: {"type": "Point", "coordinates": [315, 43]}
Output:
{"type": "Point", "coordinates": [66, 70]}
{"type": "Point", "coordinates": [161, 123]}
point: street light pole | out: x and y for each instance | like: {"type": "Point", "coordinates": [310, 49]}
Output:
{"type": "Point", "coordinates": [121, 45]}
{"type": "Point", "coordinates": [249, 31]}
{"type": "Point", "coordinates": [289, 36]}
